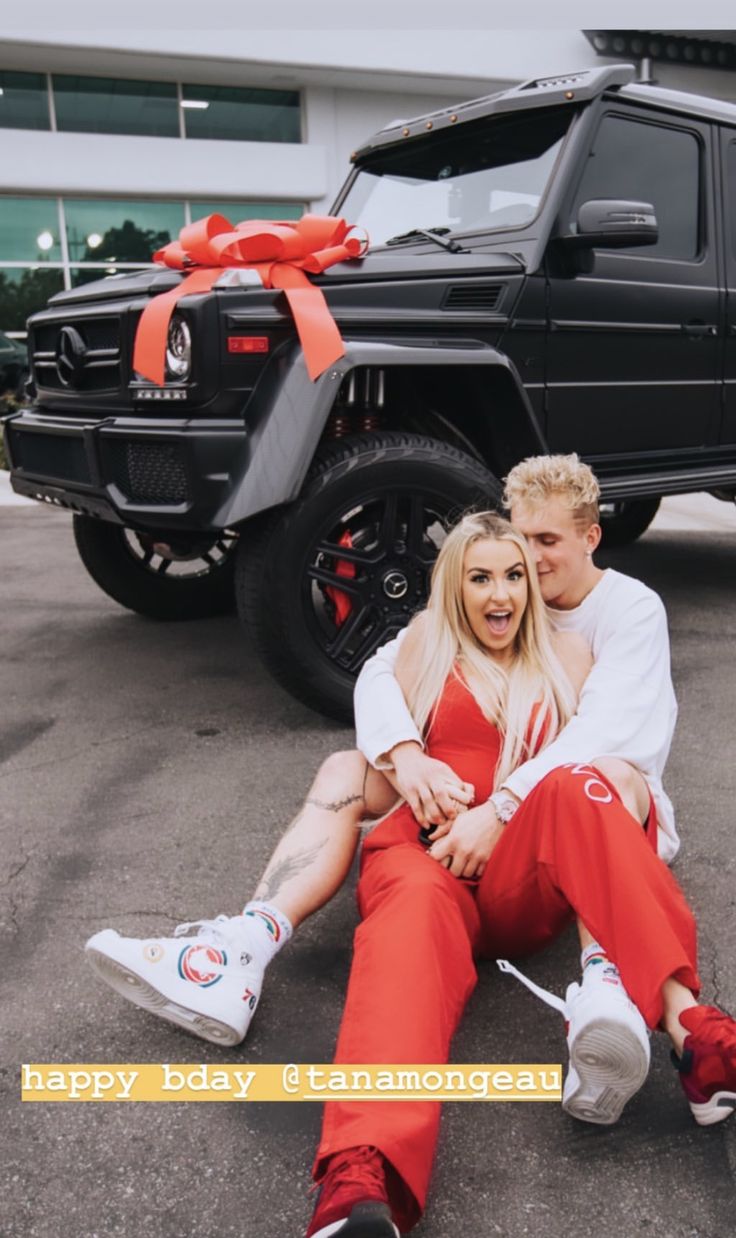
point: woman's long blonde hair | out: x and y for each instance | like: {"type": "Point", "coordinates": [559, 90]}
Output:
{"type": "Point", "coordinates": [506, 697]}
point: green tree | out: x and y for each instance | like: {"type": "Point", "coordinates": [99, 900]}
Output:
{"type": "Point", "coordinates": [127, 244]}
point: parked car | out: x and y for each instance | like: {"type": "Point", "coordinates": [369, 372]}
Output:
{"type": "Point", "coordinates": [13, 367]}
{"type": "Point", "coordinates": [552, 268]}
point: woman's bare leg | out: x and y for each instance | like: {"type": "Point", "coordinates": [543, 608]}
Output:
{"type": "Point", "coordinates": [314, 855]}
{"type": "Point", "coordinates": [676, 998]}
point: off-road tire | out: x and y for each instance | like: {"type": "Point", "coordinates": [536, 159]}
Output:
{"type": "Point", "coordinates": [107, 556]}
{"type": "Point", "coordinates": [278, 559]}
{"type": "Point", "coordinates": [628, 521]}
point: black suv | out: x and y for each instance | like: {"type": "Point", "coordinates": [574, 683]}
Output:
{"type": "Point", "coordinates": [552, 268]}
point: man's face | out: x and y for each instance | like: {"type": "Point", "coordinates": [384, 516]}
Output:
{"type": "Point", "coordinates": [561, 549]}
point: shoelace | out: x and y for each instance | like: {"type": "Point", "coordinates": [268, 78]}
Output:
{"type": "Point", "coordinates": [557, 1003]}
{"type": "Point", "coordinates": [719, 1032]}
{"type": "Point", "coordinates": [213, 933]}
{"type": "Point", "coordinates": [360, 1167]}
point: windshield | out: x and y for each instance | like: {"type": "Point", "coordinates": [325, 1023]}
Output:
{"type": "Point", "coordinates": [486, 175]}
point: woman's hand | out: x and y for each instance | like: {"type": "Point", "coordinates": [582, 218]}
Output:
{"type": "Point", "coordinates": [467, 846]}
{"type": "Point", "coordinates": [431, 788]}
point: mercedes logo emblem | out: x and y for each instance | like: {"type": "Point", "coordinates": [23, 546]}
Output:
{"type": "Point", "coordinates": [395, 585]}
{"type": "Point", "coordinates": [71, 351]}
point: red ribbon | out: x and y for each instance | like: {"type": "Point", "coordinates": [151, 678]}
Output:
{"type": "Point", "coordinates": [281, 252]}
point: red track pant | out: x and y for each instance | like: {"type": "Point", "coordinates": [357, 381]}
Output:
{"type": "Point", "coordinates": [570, 849]}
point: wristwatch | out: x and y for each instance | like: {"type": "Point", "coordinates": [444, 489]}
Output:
{"type": "Point", "coordinates": [504, 806]}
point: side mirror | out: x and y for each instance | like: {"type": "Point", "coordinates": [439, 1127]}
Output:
{"type": "Point", "coordinates": [610, 223]}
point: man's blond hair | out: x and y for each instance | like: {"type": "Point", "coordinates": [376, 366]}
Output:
{"type": "Point", "coordinates": [535, 481]}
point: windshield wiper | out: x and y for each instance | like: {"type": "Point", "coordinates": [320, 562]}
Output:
{"type": "Point", "coordinates": [430, 234]}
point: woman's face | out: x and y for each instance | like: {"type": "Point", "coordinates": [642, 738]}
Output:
{"type": "Point", "coordinates": [494, 594]}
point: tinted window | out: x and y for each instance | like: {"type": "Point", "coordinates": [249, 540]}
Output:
{"type": "Point", "coordinates": [114, 105]}
{"type": "Point", "coordinates": [109, 231]}
{"type": "Point", "coordinates": [24, 101]}
{"type": "Point", "coordinates": [235, 114]}
{"type": "Point", "coordinates": [29, 230]}
{"type": "Point", "coordinates": [649, 163]}
{"type": "Point", "coordinates": [731, 175]}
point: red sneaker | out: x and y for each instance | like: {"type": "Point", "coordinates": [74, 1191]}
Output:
{"type": "Point", "coordinates": [708, 1063]}
{"type": "Point", "coordinates": [353, 1200]}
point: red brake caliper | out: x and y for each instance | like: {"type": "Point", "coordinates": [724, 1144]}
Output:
{"type": "Point", "coordinates": [342, 603]}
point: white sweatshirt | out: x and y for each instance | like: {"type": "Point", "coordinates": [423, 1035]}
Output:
{"type": "Point", "coordinates": [627, 706]}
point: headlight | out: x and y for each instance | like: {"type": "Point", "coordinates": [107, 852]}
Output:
{"type": "Point", "coordinates": [179, 349]}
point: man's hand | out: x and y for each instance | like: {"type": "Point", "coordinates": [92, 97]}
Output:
{"type": "Point", "coordinates": [431, 788]}
{"type": "Point", "coordinates": [467, 846]}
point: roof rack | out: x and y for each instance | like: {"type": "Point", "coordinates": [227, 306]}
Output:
{"type": "Point", "coordinates": [580, 86]}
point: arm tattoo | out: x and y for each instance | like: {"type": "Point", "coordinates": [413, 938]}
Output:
{"type": "Point", "coordinates": [276, 875]}
{"type": "Point", "coordinates": [333, 805]}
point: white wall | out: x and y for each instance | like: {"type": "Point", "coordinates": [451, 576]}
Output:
{"type": "Point", "coordinates": [97, 164]}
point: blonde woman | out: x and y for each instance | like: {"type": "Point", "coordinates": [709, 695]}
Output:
{"type": "Point", "coordinates": [489, 686]}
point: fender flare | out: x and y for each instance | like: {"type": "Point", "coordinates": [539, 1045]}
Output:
{"type": "Point", "coordinates": [287, 414]}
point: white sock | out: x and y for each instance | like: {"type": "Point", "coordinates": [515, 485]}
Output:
{"type": "Point", "coordinates": [597, 967]}
{"type": "Point", "coordinates": [268, 929]}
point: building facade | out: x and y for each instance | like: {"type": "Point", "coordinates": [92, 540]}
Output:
{"type": "Point", "coordinates": [111, 143]}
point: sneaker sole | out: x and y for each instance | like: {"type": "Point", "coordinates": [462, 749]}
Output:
{"type": "Point", "coordinates": [367, 1227]}
{"type": "Point", "coordinates": [611, 1065]}
{"type": "Point", "coordinates": [138, 991]}
{"type": "Point", "coordinates": [720, 1106]}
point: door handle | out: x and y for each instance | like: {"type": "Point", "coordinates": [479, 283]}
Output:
{"type": "Point", "coordinates": [697, 328]}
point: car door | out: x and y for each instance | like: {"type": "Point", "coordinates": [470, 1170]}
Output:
{"type": "Point", "coordinates": [633, 342]}
{"type": "Point", "coordinates": [728, 155]}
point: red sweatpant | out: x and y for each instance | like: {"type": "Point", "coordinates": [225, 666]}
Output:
{"type": "Point", "coordinates": [571, 848]}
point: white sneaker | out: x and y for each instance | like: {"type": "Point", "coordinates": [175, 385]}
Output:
{"type": "Point", "coordinates": [608, 1043]}
{"type": "Point", "coordinates": [204, 978]}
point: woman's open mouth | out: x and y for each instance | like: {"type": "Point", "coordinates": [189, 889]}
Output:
{"type": "Point", "coordinates": [498, 621]}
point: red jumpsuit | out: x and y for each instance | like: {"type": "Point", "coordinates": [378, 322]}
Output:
{"type": "Point", "coordinates": [570, 849]}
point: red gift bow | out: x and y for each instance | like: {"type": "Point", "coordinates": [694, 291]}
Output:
{"type": "Point", "coordinates": [281, 251]}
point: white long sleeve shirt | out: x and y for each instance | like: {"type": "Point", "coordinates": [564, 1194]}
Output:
{"type": "Point", "coordinates": [627, 705]}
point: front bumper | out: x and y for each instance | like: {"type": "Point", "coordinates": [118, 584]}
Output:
{"type": "Point", "coordinates": [152, 473]}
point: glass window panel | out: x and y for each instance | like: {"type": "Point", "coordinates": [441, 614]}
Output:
{"type": "Point", "coordinates": [29, 230]}
{"type": "Point", "coordinates": [24, 102]}
{"type": "Point", "coordinates": [23, 290]}
{"type": "Point", "coordinates": [113, 105]}
{"type": "Point", "coordinates": [731, 213]}
{"type": "Point", "coordinates": [109, 231]}
{"type": "Point", "coordinates": [238, 211]}
{"type": "Point", "coordinates": [642, 162]}
{"type": "Point", "coordinates": [240, 115]}
{"type": "Point", "coordinates": [88, 275]}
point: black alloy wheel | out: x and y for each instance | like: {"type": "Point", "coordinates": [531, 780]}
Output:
{"type": "Point", "coordinates": [322, 584]}
{"type": "Point", "coordinates": [625, 520]}
{"type": "Point", "coordinates": [162, 575]}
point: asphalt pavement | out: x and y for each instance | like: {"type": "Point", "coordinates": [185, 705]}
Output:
{"type": "Point", "coordinates": [147, 771]}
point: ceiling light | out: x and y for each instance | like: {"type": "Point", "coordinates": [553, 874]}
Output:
{"type": "Point", "coordinates": [94, 239]}
{"type": "Point", "coordinates": [198, 104]}
{"type": "Point", "coordinates": [2, 92]}
{"type": "Point", "coordinates": [45, 240]}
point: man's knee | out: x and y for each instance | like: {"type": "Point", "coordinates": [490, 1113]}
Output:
{"type": "Point", "coordinates": [341, 776]}
{"type": "Point", "coordinates": [628, 782]}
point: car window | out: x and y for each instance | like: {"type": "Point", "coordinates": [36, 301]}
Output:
{"type": "Point", "coordinates": [731, 177]}
{"type": "Point", "coordinates": [645, 162]}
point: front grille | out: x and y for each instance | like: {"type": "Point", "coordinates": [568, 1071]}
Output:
{"type": "Point", "coordinates": [483, 297]}
{"type": "Point", "coordinates": [92, 355]}
{"type": "Point", "coordinates": [50, 455]}
{"type": "Point", "coordinates": [147, 472]}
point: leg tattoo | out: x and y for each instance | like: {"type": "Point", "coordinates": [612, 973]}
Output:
{"type": "Point", "coordinates": [334, 805]}
{"type": "Point", "coordinates": [277, 874]}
